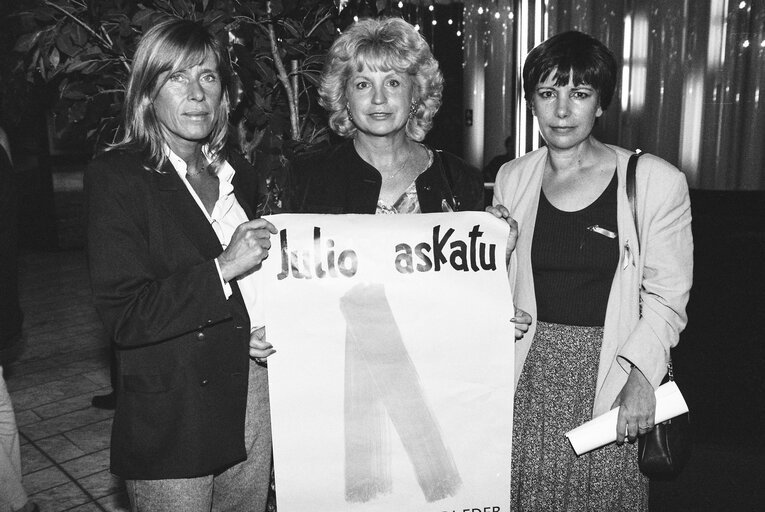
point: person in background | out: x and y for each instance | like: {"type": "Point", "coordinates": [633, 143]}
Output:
{"type": "Point", "coordinates": [11, 317]}
{"type": "Point", "coordinates": [13, 497]}
{"type": "Point", "coordinates": [608, 302]}
{"type": "Point", "coordinates": [490, 170]}
{"type": "Point", "coordinates": [170, 249]}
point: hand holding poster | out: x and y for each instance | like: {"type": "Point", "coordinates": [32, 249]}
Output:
{"type": "Point", "coordinates": [392, 384]}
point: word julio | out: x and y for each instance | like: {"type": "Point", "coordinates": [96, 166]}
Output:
{"type": "Point", "coordinates": [322, 260]}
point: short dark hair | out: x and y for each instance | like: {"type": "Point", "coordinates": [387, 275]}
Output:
{"type": "Point", "coordinates": [590, 61]}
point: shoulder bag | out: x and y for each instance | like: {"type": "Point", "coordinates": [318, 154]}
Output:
{"type": "Point", "coordinates": [662, 452]}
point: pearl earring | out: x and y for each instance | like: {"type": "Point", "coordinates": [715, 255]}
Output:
{"type": "Point", "coordinates": [348, 110]}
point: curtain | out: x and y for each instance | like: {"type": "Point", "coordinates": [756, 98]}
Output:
{"type": "Point", "coordinates": [691, 77]}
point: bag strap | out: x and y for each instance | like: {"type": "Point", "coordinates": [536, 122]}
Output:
{"type": "Point", "coordinates": [632, 191]}
{"type": "Point", "coordinates": [632, 197]}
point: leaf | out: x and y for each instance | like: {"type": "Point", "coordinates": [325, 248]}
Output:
{"type": "Point", "coordinates": [257, 8]}
{"type": "Point", "coordinates": [70, 39]}
{"type": "Point", "coordinates": [182, 7]}
{"type": "Point", "coordinates": [27, 41]}
{"type": "Point", "coordinates": [40, 60]}
{"type": "Point", "coordinates": [291, 29]}
{"type": "Point", "coordinates": [92, 50]}
{"type": "Point", "coordinates": [313, 78]}
{"type": "Point", "coordinates": [257, 116]}
{"type": "Point", "coordinates": [79, 36]}
{"type": "Point", "coordinates": [147, 18]}
{"type": "Point", "coordinates": [54, 58]}
{"type": "Point", "coordinates": [266, 72]}
{"type": "Point", "coordinates": [315, 60]}
{"type": "Point", "coordinates": [84, 66]}
{"type": "Point", "coordinates": [74, 92]}
{"type": "Point", "coordinates": [45, 14]}
{"type": "Point", "coordinates": [293, 51]}
{"type": "Point", "coordinates": [125, 30]}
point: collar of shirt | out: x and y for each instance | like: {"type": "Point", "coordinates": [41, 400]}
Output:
{"type": "Point", "coordinates": [227, 214]}
{"type": "Point", "coordinates": [226, 199]}
{"type": "Point", "coordinates": [224, 172]}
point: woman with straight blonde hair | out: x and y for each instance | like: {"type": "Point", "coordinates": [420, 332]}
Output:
{"type": "Point", "coordinates": [171, 249]}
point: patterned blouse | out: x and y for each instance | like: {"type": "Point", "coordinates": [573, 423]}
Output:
{"type": "Point", "coordinates": [408, 201]}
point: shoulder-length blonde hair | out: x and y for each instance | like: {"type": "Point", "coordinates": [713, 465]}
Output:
{"type": "Point", "coordinates": [170, 46]}
{"type": "Point", "coordinates": [384, 44]}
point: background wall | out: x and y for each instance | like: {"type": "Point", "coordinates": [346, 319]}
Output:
{"type": "Point", "coordinates": [691, 76]}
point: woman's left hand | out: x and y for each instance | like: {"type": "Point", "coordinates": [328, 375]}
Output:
{"type": "Point", "coordinates": [522, 321]}
{"type": "Point", "coordinates": [637, 406]}
{"type": "Point", "coordinates": [260, 349]}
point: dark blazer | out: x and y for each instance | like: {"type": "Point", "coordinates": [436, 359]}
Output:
{"type": "Point", "coordinates": [182, 347]}
{"type": "Point", "coordinates": [338, 180]}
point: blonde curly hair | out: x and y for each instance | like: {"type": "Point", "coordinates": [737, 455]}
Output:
{"type": "Point", "coordinates": [382, 44]}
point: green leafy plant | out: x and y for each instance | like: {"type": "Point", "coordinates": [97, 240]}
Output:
{"type": "Point", "coordinates": [82, 50]}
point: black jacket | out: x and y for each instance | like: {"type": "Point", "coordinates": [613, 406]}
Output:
{"type": "Point", "coordinates": [182, 347]}
{"type": "Point", "coordinates": [338, 180]}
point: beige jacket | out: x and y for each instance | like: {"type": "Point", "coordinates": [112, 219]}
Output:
{"type": "Point", "coordinates": [665, 262]}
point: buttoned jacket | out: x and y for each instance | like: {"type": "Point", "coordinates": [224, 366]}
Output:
{"type": "Point", "coordinates": [182, 346]}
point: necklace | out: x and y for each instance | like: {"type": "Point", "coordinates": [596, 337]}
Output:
{"type": "Point", "coordinates": [390, 176]}
{"type": "Point", "coordinates": [406, 161]}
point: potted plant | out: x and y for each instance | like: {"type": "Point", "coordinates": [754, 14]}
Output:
{"type": "Point", "coordinates": [82, 49]}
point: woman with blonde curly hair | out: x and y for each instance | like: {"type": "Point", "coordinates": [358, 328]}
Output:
{"type": "Point", "coordinates": [382, 88]}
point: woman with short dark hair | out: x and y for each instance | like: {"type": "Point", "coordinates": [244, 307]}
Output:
{"type": "Point", "coordinates": [608, 301]}
{"type": "Point", "coordinates": [171, 250]}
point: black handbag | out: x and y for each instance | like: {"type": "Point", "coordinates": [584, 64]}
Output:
{"type": "Point", "coordinates": [662, 452]}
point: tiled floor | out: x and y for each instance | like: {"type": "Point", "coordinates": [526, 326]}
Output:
{"type": "Point", "coordinates": [65, 441]}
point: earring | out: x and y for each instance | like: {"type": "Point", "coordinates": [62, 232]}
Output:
{"type": "Point", "coordinates": [348, 110]}
{"type": "Point", "coordinates": [413, 109]}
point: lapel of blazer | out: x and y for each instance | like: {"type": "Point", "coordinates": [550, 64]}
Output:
{"type": "Point", "coordinates": [179, 205]}
{"type": "Point", "coordinates": [361, 181]}
{"type": "Point", "coordinates": [245, 184]}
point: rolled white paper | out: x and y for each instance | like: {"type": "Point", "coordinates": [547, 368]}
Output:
{"type": "Point", "coordinates": [601, 431]}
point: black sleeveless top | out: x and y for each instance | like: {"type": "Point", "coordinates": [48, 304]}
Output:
{"type": "Point", "coordinates": [573, 257]}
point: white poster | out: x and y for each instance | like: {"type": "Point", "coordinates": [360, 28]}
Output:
{"type": "Point", "coordinates": [392, 381]}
